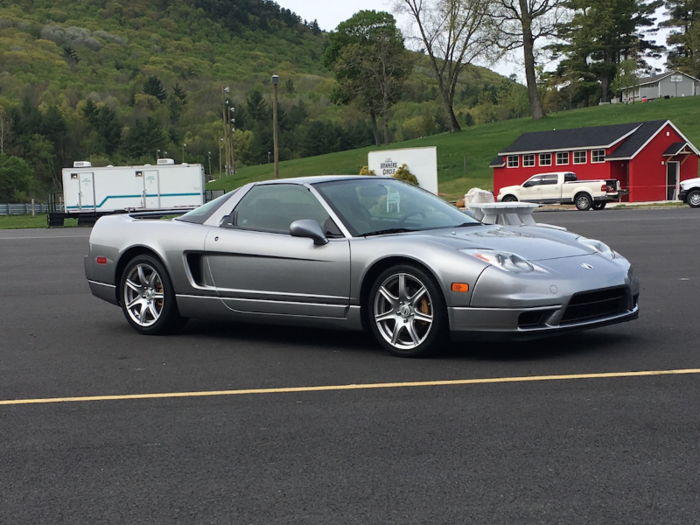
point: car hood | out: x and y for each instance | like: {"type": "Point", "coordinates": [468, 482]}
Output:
{"type": "Point", "coordinates": [533, 243]}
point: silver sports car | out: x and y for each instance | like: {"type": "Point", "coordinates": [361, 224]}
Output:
{"type": "Point", "coordinates": [356, 253]}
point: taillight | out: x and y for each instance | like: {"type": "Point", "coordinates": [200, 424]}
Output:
{"type": "Point", "coordinates": [604, 187]}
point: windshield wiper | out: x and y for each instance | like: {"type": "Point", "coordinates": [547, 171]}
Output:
{"type": "Point", "coordinates": [468, 224]}
{"type": "Point", "coordinates": [389, 230]}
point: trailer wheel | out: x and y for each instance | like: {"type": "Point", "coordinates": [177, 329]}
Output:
{"type": "Point", "coordinates": [147, 297]}
{"type": "Point", "coordinates": [583, 201]}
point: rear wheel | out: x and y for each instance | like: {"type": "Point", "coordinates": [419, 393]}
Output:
{"type": "Point", "coordinates": [509, 198]}
{"type": "Point", "coordinates": [583, 201]}
{"type": "Point", "coordinates": [694, 199]}
{"type": "Point", "coordinates": [599, 205]}
{"type": "Point", "coordinates": [407, 312]}
{"type": "Point", "coordinates": [147, 297]}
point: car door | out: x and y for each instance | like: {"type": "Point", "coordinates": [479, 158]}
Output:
{"type": "Point", "coordinates": [550, 189]}
{"type": "Point", "coordinates": [258, 267]}
{"type": "Point", "coordinates": [531, 190]}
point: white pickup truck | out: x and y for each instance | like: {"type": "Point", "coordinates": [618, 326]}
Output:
{"type": "Point", "coordinates": [563, 188]}
{"type": "Point", "coordinates": [690, 192]}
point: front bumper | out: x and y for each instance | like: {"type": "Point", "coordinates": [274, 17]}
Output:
{"type": "Point", "coordinates": [496, 324]}
{"type": "Point", "coordinates": [683, 196]}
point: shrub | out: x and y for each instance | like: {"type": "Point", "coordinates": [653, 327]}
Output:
{"type": "Point", "coordinates": [366, 171]}
{"type": "Point", "coordinates": [405, 175]}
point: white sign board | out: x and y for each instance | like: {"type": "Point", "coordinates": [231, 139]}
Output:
{"type": "Point", "coordinates": [422, 162]}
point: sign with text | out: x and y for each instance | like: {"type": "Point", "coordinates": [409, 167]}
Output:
{"type": "Point", "coordinates": [422, 162]}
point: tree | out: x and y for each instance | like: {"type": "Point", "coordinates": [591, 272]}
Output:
{"type": "Point", "coordinates": [602, 33]}
{"type": "Point", "coordinates": [154, 87]}
{"type": "Point", "coordinates": [626, 78]}
{"type": "Point", "coordinates": [684, 21]}
{"type": "Point", "coordinates": [521, 23]}
{"type": "Point", "coordinates": [15, 178]}
{"type": "Point", "coordinates": [257, 108]}
{"type": "Point", "coordinates": [369, 60]}
{"type": "Point", "coordinates": [454, 33]}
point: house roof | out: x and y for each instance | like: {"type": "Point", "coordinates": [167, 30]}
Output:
{"type": "Point", "coordinates": [570, 139]}
{"type": "Point", "coordinates": [498, 162]}
{"type": "Point", "coordinates": [655, 78]}
{"type": "Point", "coordinates": [636, 140]}
{"type": "Point", "coordinates": [674, 149]}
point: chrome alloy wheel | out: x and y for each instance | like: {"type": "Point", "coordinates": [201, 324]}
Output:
{"type": "Point", "coordinates": [143, 295]}
{"type": "Point", "coordinates": [403, 311]}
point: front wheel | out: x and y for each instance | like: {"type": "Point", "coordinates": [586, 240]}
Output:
{"type": "Point", "coordinates": [509, 198]}
{"type": "Point", "coordinates": [599, 205]}
{"type": "Point", "coordinates": [147, 297]}
{"type": "Point", "coordinates": [583, 202]}
{"type": "Point", "coordinates": [407, 312]}
{"type": "Point", "coordinates": [694, 199]}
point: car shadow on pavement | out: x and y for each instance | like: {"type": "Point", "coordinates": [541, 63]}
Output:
{"type": "Point", "coordinates": [582, 343]}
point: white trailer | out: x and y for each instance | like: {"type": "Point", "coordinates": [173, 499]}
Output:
{"type": "Point", "coordinates": [90, 192]}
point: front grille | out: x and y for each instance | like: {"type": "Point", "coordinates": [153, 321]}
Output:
{"type": "Point", "coordinates": [599, 304]}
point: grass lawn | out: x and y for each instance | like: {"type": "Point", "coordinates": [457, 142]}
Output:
{"type": "Point", "coordinates": [480, 144]}
{"type": "Point", "coordinates": [14, 222]}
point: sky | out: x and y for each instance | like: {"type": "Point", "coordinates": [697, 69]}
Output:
{"type": "Point", "coordinates": [331, 12]}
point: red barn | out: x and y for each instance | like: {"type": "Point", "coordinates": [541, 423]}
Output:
{"type": "Point", "coordinates": [648, 158]}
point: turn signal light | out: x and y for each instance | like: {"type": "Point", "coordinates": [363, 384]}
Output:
{"type": "Point", "coordinates": [460, 287]}
{"type": "Point", "coordinates": [102, 260]}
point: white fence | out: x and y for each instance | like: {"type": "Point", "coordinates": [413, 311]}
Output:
{"type": "Point", "coordinates": [23, 209]}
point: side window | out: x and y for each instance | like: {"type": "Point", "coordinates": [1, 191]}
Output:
{"type": "Point", "coordinates": [273, 207]}
{"type": "Point", "coordinates": [535, 181]}
{"type": "Point", "coordinates": [570, 177]}
{"type": "Point", "coordinates": [550, 179]}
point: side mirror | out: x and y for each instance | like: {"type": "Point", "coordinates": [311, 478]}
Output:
{"type": "Point", "coordinates": [310, 229]}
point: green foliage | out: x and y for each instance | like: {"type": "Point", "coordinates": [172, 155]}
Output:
{"type": "Point", "coordinates": [15, 178]}
{"type": "Point", "coordinates": [366, 171]}
{"type": "Point", "coordinates": [684, 38]}
{"type": "Point", "coordinates": [404, 174]}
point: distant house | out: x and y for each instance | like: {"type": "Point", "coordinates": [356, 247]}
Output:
{"type": "Point", "coordinates": [665, 85]}
{"type": "Point", "coordinates": [648, 158]}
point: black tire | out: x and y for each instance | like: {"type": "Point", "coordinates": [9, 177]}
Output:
{"type": "Point", "coordinates": [693, 199]}
{"type": "Point", "coordinates": [583, 201]}
{"type": "Point", "coordinates": [599, 205]}
{"type": "Point", "coordinates": [509, 198]}
{"type": "Point", "coordinates": [147, 297]}
{"type": "Point", "coordinates": [411, 322]}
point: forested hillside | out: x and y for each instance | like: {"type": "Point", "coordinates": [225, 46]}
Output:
{"type": "Point", "coordinates": [118, 82]}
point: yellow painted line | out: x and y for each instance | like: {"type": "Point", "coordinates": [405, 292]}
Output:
{"type": "Point", "coordinates": [368, 386]}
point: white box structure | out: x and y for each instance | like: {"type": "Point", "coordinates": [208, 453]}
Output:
{"type": "Point", "coordinates": [164, 186]}
{"type": "Point", "coordinates": [422, 162]}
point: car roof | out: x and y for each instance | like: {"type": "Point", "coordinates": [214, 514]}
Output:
{"type": "Point", "coordinates": [319, 178]}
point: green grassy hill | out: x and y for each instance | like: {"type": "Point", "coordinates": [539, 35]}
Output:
{"type": "Point", "coordinates": [480, 144]}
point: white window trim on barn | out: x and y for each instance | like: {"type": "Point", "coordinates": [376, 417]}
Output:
{"type": "Point", "coordinates": [597, 153]}
{"type": "Point", "coordinates": [513, 161]}
{"type": "Point", "coordinates": [545, 156]}
{"type": "Point", "coordinates": [528, 161]}
{"type": "Point", "coordinates": [562, 155]}
{"type": "Point", "coordinates": [585, 157]}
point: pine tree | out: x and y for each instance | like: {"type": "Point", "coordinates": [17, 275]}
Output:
{"type": "Point", "coordinates": [154, 87]}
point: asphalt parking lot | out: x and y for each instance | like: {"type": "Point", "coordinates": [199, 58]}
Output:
{"type": "Point", "coordinates": [415, 441]}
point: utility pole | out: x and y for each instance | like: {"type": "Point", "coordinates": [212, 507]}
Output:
{"type": "Point", "coordinates": [275, 82]}
{"type": "Point", "coordinates": [221, 141]}
{"type": "Point", "coordinates": [209, 155]}
{"type": "Point", "coordinates": [225, 116]}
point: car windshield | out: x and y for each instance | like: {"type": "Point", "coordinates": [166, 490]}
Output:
{"type": "Point", "coordinates": [374, 206]}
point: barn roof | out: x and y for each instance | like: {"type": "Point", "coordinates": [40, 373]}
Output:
{"type": "Point", "coordinates": [577, 138]}
{"type": "Point", "coordinates": [637, 140]}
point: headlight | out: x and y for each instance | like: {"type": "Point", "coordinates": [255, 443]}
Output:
{"type": "Point", "coordinates": [509, 262]}
{"type": "Point", "coordinates": [598, 246]}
